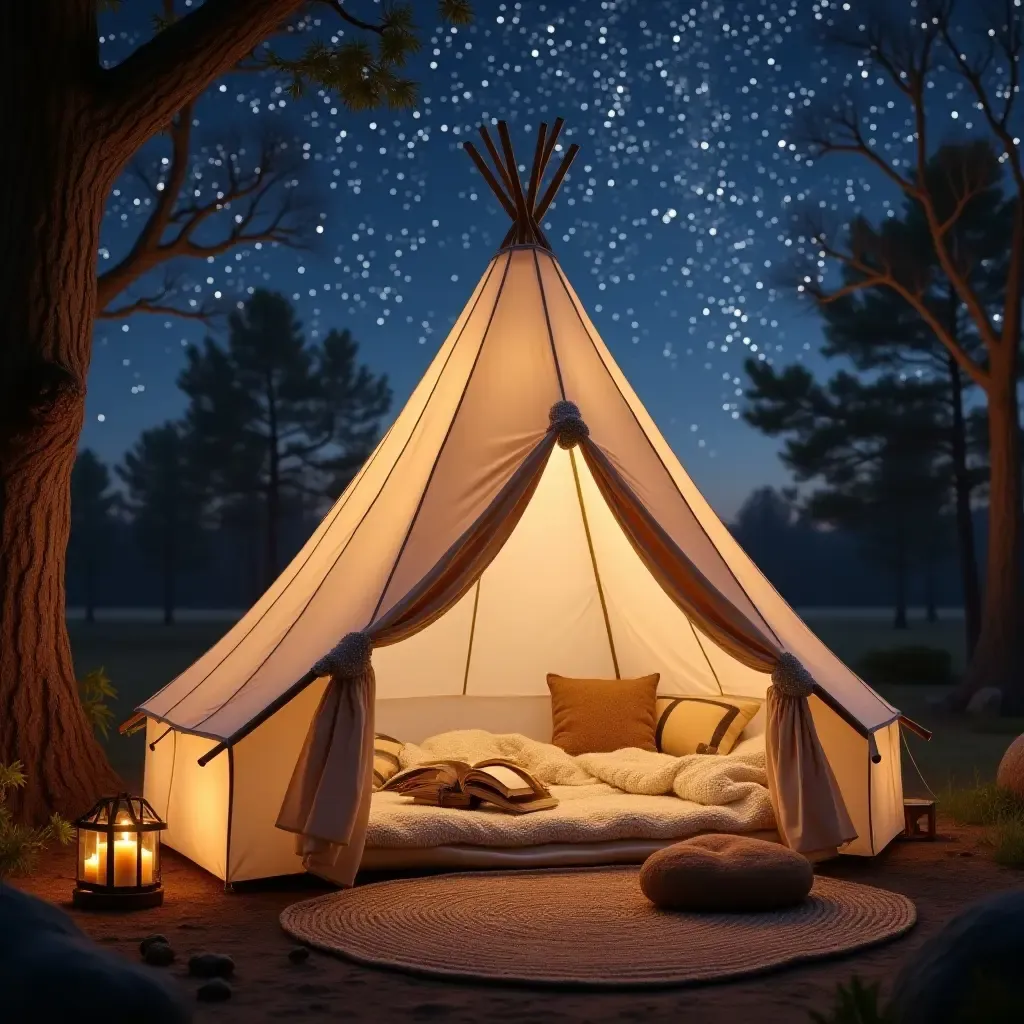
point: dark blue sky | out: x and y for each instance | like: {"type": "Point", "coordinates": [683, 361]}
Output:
{"type": "Point", "coordinates": [672, 224]}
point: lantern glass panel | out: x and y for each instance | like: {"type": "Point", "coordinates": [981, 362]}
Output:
{"type": "Point", "coordinates": [89, 856]}
{"type": "Point", "coordinates": [151, 851]}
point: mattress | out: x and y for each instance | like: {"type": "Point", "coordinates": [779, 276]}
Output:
{"type": "Point", "coordinates": [547, 855]}
{"type": "Point", "coordinates": [594, 813]}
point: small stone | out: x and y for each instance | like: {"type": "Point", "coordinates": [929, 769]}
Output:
{"type": "Point", "coordinates": [298, 954]}
{"type": "Point", "coordinates": [211, 965]}
{"type": "Point", "coordinates": [149, 940]}
{"type": "Point", "coordinates": [158, 954]}
{"type": "Point", "coordinates": [216, 990]}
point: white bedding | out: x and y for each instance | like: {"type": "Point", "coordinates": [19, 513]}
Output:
{"type": "Point", "coordinates": [667, 798]}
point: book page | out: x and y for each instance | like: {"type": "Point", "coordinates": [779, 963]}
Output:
{"type": "Point", "coordinates": [512, 783]}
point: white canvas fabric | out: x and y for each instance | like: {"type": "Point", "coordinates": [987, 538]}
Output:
{"type": "Point", "coordinates": [567, 593]}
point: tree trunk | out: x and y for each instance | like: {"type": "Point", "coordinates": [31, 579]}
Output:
{"type": "Point", "coordinates": [55, 174]}
{"type": "Point", "coordinates": [90, 584]}
{"type": "Point", "coordinates": [966, 548]}
{"type": "Point", "coordinates": [169, 569]}
{"type": "Point", "coordinates": [997, 655]}
{"type": "Point", "coordinates": [273, 487]}
{"type": "Point", "coordinates": [899, 619]}
{"type": "Point", "coordinates": [931, 612]}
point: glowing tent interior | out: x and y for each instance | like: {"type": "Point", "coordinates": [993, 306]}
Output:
{"type": "Point", "coordinates": [522, 515]}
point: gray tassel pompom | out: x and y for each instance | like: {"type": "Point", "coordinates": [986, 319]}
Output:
{"type": "Point", "coordinates": [791, 679]}
{"type": "Point", "coordinates": [349, 658]}
{"type": "Point", "coordinates": [567, 422]}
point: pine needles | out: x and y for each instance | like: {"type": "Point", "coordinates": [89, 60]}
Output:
{"type": "Point", "coordinates": [20, 845]}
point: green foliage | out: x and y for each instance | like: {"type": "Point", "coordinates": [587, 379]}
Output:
{"type": "Point", "coordinates": [871, 448]}
{"type": "Point", "coordinates": [855, 1003]}
{"type": "Point", "coordinates": [1008, 843]}
{"type": "Point", "coordinates": [928, 666]}
{"type": "Point", "coordinates": [20, 844]}
{"type": "Point", "coordinates": [94, 690]}
{"type": "Point", "coordinates": [983, 804]}
{"type": "Point", "coordinates": [364, 77]}
{"type": "Point", "coordinates": [274, 420]}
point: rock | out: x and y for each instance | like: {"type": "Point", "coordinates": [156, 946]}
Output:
{"type": "Point", "coordinates": [1010, 774]}
{"type": "Point", "coordinates": [726, 873]}
{"type": "Point", "coordinates": [972, 963]}
{"type": "Point", "coordinates": [149, 940]}
{"type": "Point", "coordinates": [50, 971]}
{"type": "Point", "coordinates": [211, 965]}
{"type": "Point", "coordinates": [986, 702]}
{"type": "Point", "coordinates": [216, 990]}
{"type": "Point", "coordinates": [158, 954]}
{"type": "Point", "coordinates": [298, 954]}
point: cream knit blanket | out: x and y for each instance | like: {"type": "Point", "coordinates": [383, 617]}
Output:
{"type": "Point", "coordinates": [628, 794]}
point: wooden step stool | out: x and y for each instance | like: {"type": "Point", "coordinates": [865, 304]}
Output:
{"type": "Point", "coordinates": [914, 810]}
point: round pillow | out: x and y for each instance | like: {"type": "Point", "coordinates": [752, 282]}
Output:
{"type": "Point", "coordinates": [726, 873]}
{"type": "Point", "coordinates": [1010, 774]}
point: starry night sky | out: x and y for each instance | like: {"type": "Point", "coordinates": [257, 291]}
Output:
{"type": "Point", "coordinates": [672, 223]}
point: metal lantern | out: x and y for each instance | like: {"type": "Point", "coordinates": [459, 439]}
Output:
{"type": "Point", "coordinates": [119, 855]}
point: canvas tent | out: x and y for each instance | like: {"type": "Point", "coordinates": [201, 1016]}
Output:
{"type": "Point", "coordinates": [522, 515]}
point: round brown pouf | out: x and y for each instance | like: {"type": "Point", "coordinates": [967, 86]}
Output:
{"type": "Point", "coordinates": [1010, 774]}
{"type": "Point", "coordinates": [726, 873]}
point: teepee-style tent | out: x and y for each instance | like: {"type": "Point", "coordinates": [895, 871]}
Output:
{"type": "Point", "coordinates": [522, 515]}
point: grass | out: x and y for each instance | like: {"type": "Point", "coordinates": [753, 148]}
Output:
{"type": "Point", "coordinates": [141, 657]}
{"type": "Point", "coordinates": [999, 812]}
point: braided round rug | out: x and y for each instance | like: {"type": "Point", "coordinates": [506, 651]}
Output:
{"type": "Point", "coordinates": [589, 928]}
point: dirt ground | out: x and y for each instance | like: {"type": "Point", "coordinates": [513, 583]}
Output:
{"type": "Point", "coordinates": [941, 877]}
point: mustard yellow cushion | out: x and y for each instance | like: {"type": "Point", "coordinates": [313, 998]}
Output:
{"type": "Point", "coordinates": [385, 758]}
{"type": "Point", "coordinates": [701, 725]}
{"type": "Point", "coordinates": [591, 716]}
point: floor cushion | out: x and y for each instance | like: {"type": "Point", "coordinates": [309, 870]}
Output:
{"type": "Point", "coordinates": [726, 873]}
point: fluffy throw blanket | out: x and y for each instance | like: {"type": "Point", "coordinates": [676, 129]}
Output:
{"type": "Point", "coordinates": [735, 780]}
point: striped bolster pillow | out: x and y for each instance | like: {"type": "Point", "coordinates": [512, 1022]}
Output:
{"type": "Point", "coordinates": [701, 725]}
{"type": "Point", "coordinates": [385, 758]}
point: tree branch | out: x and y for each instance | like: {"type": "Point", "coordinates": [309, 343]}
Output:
{"type": "Point", "coordinates": [873, 277]}
{"type": "Point", "coordinates": [142, 94]}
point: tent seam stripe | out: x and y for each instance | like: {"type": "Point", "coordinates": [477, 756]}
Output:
{"type": "Point", "coordinates": [444, 443]}
{"type": "Point", "coordinates": [714, 674]}
{"type": "Point", "coordinates": [593, 562]}
{"type": "Point", "coordinates": [370, 507]}
{"type": "Point", "coordinates": [472, 631]}
{"type": "Point", "coordinates": [547, 321]}
{"type": "Point", "coordinates": [661, 462]}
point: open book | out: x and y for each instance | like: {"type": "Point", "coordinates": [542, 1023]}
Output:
{"type": "Point", "coordinates": [458, 784]}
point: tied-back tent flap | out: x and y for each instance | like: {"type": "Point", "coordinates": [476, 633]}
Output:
{"type": "Point", "coordinates": [523, 394]}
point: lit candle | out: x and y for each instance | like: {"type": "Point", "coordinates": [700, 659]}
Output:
{"type": "Point", "coordinates": [125, 850]}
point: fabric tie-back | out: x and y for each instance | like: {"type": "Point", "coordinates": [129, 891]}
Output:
{"type": "Point", "coordinates": [808, 804]}
{"type": "Point", "coordinates": [327, 803]}
{"type": "Point", "coordinates": [809, 808]}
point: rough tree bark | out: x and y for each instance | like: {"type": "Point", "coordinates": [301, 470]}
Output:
{"type": "Point", "coordinates": [997, 659]}
{"type": "Point", "coordinates": [54, 181]}
{"type": "Point", "coordinates": [69, 129]}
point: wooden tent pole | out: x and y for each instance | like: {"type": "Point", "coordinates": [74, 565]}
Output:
{"type": "Point", "coordinates": [517, 187]}
{"type": "Point", "coordinates": [499, 163]}
{"type": "Point", "coordinates": [556, 181]}
{"type": "Point", "coordinates": [489, 178]}
{"type": "Point", "coordinates": [537, 171]}
{"type": "Point", "coordinates": [549, 142]}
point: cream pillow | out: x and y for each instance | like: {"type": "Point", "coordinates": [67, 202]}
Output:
{"type": "Point", "coordinates": [701, 725]}
{"type": "Point", "coordinates": [591, 716]}
{"type": "Point", "coordinates": [386, 750]}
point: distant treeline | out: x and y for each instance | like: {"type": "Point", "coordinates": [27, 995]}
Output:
{"type": "Point", "coordinates": [809, 566]}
